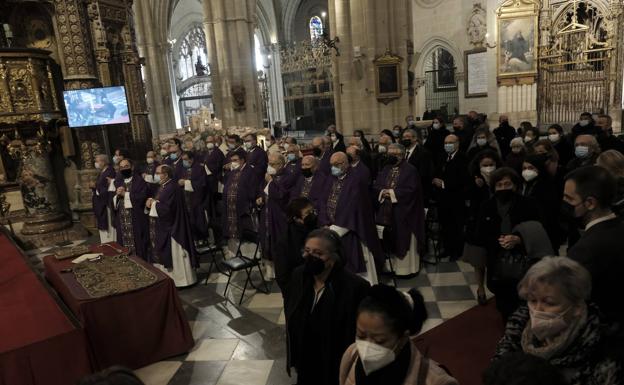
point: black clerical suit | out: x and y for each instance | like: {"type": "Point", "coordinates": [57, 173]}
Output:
{"type": "Point", "coordinates": [421, 158]}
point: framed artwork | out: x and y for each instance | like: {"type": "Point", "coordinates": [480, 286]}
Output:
{"type": "Point", "coordinates": [476, 73]}
{"type": "Point", "coordinates": [517, 45]}
{"type": "Point", "coordinates": [388, 77]}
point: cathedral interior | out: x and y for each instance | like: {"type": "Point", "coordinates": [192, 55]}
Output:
{"type": "Point", "coordinates": [79, 78]}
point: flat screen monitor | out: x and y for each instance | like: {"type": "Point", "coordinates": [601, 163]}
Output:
{"type": "Point", "coordinates": [96, 106]}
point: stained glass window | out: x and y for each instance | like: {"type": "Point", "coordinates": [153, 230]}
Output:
{"type": "Point", "coordinates": [316, 28]}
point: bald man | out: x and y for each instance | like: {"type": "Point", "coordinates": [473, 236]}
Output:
{"type": "Point", "coordinates": [449, 185]}
{"type": "Point", "coordinates": [358, 168]}
{"type": "Point", "coordinates": [347, 209]}
{"type": "Point", "coordinates": [293, 160]}
{"type": "Point", "coordinates": [102, 198]}
{"type": "Point", "coordinates": [321, 146]}
{"type": "Point", "coordinates": [586, 151]}
{"type": "Point", "coordinates": [310, 182]}
{"type": "Point", "coordinates": [273, 200]}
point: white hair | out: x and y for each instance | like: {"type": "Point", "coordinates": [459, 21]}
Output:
{"type": "Point", "coordinates": [567, 275]}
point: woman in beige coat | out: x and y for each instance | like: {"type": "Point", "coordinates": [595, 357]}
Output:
{"type": "Point", "coordinates": [384, 352]}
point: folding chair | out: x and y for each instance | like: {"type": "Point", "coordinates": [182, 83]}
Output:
{"type": "Point", "coordinates": [246, 264]}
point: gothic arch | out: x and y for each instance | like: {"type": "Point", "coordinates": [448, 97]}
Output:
{"type": "Point", "coordinates": [428, 48]}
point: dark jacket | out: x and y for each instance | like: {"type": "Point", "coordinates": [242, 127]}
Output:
{"type": "Point", "coordinates": [565, 149]}
{"type": "Point", "coordinates": [435, 141]}
{"type": "Point", "coordinates": [515, 161]}
{"type": "Point", "coordinates": [590, 129]}
{"type": "Point", "coordinates": [577, 163]}
{"type": "Point", "coordinates": [288, 256]}
{"type": "Point", "coordinates": [343, 293]}
{"type": "Point", "coordinates": [601, 251]}
{"type": "Point", "coordinates": [504, 134]}
{"type": "Point", "coordinates": [543, 192]}
{"type": "Point", "coordinates": [610, 142]}
{"type": "Point", "coordinates": [421, 159]}
{"type": "Point", "coordinates": [456, 179]}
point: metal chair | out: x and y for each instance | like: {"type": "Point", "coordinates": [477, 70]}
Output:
{"type": "Point", "coordinates": [243, 263]}
{"type": "Point", "coordinates": [433, 235]}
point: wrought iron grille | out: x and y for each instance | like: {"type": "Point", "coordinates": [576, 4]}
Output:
{"type": "Point", "coordinates": [441, 95]}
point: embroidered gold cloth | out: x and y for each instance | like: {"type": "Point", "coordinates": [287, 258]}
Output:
{"type": "Point", "coordinates": [113, 275]}
{"type": "Point", "coordinates": [332, 202]}
{"type": "Point", "coordinates": [307, 186]}
{"type": "Point", "coordinates": [231, 198]}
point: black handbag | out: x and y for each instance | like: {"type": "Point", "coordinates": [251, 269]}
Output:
{"type": "Point", "coordinates": [510, 266]}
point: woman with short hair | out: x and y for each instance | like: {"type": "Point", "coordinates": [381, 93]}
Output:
{"type": "Point", "coordinates": [558, 324]}
{"type": "Point", "coordinates": [384, 352]}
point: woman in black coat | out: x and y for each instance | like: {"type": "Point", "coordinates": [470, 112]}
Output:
{"type": "Point", "coordinates": [541, 186]}
{"type": "Point", "coordinates": [495, 224]}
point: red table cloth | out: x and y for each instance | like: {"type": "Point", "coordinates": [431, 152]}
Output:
{"type": "Point", "coordinates": [39, 343]}
{"type": "Point", "coordinates": [133, 329]}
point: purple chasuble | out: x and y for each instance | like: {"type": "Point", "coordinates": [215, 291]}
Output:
{"type": "Point", "coordinates": [102, 199]}
{"type": "Point", "coordinates": [239, 195]}
{"type": "Point", "coordinates": [132, 224]}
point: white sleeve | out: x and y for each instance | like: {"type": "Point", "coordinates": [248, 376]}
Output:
{"type": "Point", "coordinates": [266, 189]}
{"type": "Point", "coordinates": [220, 188]}
{"type": "Point", "coordinates": [115, 199]}
{"type": "Point", "coordinates": [111, 186]}
{"type": "Point", "coordinates": [153, 213]}
{"type": "Point", "coordinates": [393, 197]}
{"type": "Point", "coordinates": [340, 230]}
{"type": "Point", "coordinates": [127, 201]}
{"type": "Point", "coordinates": [380, 198]}
{"type": "Point", "coordinates": [207, 170]}
{"type": "Point", "coordinates": [188, 186]}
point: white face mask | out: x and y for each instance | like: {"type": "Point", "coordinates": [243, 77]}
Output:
{"type": "Point", "coordinates": [529, 175]}
{"type": "Point", "coordinates": [382, 149]}
{"type": "Point", "coordinates": [436, 126]}
{"type": "Point", "coordinates": [516, 150]}
{"type": "Point", "coordinates": [271, 170]}
{"type": "Point", "coordinates": [234, 165]}
{"type": "Point", "coordinates": [481, 141]}
{"type": "Point", "coordinates": [487, 171]}
{"type": "Point", "coordinates": [231, 146]}
{"type": "Point", "coordinates": [286, 146]}
{"type": "Point", "coordinates": [163, 153]}
{"type": "Point", "coordinates": [527, 139]}
{"type": "Point", "coordinates": [98, 166]}
{"type": "Point", "coordinates": [373, 356]}
{"type": "Point", "coordinates": [584, 123]}
{"type": "Point", "coordinates": [150, 160]}
{"type": "Point", "coordinates": [116, 159]}
{"type": "Point", "coordinates": [554, 138]}
{"type": "Point", "coordinates": [210, 146]}
{"type": "Point", "coordinates": [156, 178]}
{"type": "Point", "coordinates": [248, 145]}
{"type": "Point", "coordinates": [546, 325]}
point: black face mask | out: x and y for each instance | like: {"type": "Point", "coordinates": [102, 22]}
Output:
{"type": "Point", "coordinates": [311, 222]}
{"type": "Point", "coordinates": [313, 265]}
{"type": "Point", "coordinates": [306, 172]}
{"type": "Point", "coordinates": [392, 160]}
{"type": "Point", "coordinates": [127, 173]}
{"type": "Point", "coordinates": [504, 196]}
{"type": "Point", "coordinates": [317, 152]}
{"type": "Point", "coordinates": [568, 213]}
{"type": "Point", "coordinates": [406, 143]}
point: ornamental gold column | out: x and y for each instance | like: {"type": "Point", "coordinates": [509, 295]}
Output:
{"type": "Point", "coordinates": [373, 34]}
{"type": "Point", "coordinates": [229, 27]}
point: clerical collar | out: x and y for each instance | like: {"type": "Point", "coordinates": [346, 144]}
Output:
{"type": "Point", "coordinates": [177, 160]}
{"type": "Point", "coordinates": [355, 164]}
{"type": "Point", "coordinates": [163, 185]}
{"type": "Point", "coordinates": [342, 176]}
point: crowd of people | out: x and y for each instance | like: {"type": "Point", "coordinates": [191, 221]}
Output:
{"type": "Point", "coordinates": [334, 215]}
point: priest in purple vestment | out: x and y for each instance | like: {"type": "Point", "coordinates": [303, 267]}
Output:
{"type": "Point", "coordinates": [293, 160]}
{"type": "Point", "coordinates": [196, 196]}
{"type": "Point", "coordinates": [170, 235]}
{"type": "Point", "coordinates": [256, 157]}
{"type": "Point", "coordinates": [149, 170]}
{"type": "Point", "coordinates": [102, 199]}
{"type": "Point", "coordinates": [273, 200]}
{"type": "Point", "coordinates": [175, 158]}
{"type": "Point", "coordinates": [131, 222]}
{"type": "Point", "coordinates": [239, 200]}
{"type": "Point", "coordinates": [213, 164]}
{"type": "Point", "coordinates": [347, 210]}
{"type": "Point", "coordinates": [400, 214]}
{"type": "Point", "coordinates": [311, 183]}
{"type": "Point", "coordinates": [322, 150]}
{"type": "Point", "coordinates": [358, 168]}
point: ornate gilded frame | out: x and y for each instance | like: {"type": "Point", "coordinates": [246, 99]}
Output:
{"type": "Point", "coordinates": [518, 10]}
{"type": "Point", "coordinates": [388, 85]}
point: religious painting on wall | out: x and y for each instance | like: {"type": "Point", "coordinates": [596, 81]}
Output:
{"type": "Point", "coordinates": [517, 45]}
{"type": "Point", "coordinates": [388, 77]}
{"type": "Point", "coordinates": [444, 64]}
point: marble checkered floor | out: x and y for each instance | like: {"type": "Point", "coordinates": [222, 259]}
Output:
{"type": "Point", "coordinates": [246, 344]}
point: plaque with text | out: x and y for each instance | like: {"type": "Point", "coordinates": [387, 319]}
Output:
{"type": "Point", "coordinates": [476, 73]}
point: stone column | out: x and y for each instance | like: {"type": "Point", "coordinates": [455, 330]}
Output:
{"type": "Point", "coordinates": [374, 27]}
{"type": "Point", "coordinates": [152, 44]}
{"type": "Point", "coordinates": [102, 53]}
{"type": "Point", "coordinates": [229, 26]}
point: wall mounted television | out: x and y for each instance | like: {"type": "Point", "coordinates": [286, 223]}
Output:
{"type": "Point", "coordinates": [96, 106]}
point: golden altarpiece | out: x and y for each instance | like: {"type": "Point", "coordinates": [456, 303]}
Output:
{"type": "Point", "coordinates": [46, 47]}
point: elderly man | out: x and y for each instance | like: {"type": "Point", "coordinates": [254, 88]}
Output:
{"type": "Point", "coordinates": [380, 156]}
{"type": "Point", "coordinates": [359, 169]}
{"type": "Point", "coordinates": [102, 200]}
{"type": "Point", "coordinates": [213, 165]}
{"type": "Point", "coordinates": [239, 195]}
{"type": "Point", "coordinates": [400, 216]}
{"type": "Point", "coordinates": [273, 198]}
{"type": "Point", "coordinates": [310, 183]}
{"type": "Point", "coordinates": [321, 323]}
{"type": "Point", "coordinates": [365, 156]}
{"type": "Point", "coordinates": [175, 158]}
{"type": "Point", "coordinates": [606, 139]}
{"type": "Point", "coordinates": [346, 208]}
{"type": "Point", "coordinates": [293, 160]}
{"type": "Point", "coordinates": [449, 186]}
{"type": "Point", "coordinates": [419, 157]}
{"type": "Point", "coordinates": [151, 162]}
{"type": "Point", "coordinates": [322, 151]}
{"type": "Point", "coordinates": [586, 151]}
{"type": "Point", "coordinates": [131, 222]}
{"type": "Point", "coordinates": [256, 157]}
{"type": "Point", "coordinates": [171, 241]}
{"type": "Point", "coordinates": [196, 196]}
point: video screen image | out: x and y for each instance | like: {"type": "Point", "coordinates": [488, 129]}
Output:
{"type": "Point", "coordinates": [96, 106]}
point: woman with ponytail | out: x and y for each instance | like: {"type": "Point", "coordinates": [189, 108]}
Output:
{"type": "Point", "coordinates": [384, 351]}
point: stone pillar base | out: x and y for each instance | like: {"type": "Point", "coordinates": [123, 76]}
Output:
{"type": "Point", "coordinates": [39, 224]}
{"type": "Point", "coordinates": [74, 232]}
